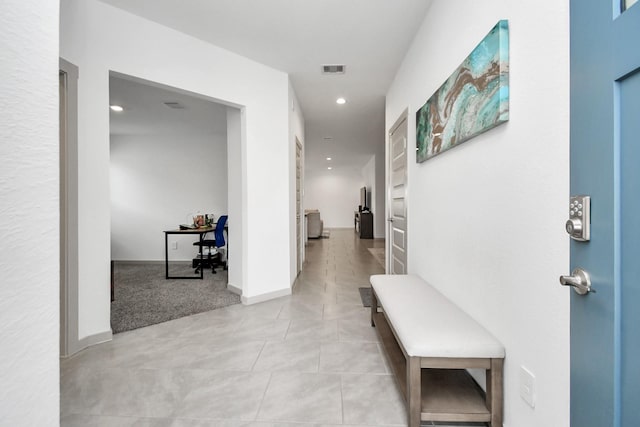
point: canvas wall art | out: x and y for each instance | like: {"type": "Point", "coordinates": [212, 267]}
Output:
{"type": "Point", "coordinates": [474, 99]}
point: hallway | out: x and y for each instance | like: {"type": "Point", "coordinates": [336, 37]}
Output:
{"type": "Point", "coordinates": [311, 358]}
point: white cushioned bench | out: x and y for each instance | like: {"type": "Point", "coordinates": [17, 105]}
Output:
{"type": "Point", "coordinates": [430, 343]}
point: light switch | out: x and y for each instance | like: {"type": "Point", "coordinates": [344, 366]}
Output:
{"type": "Point", "coordinates": [527, 386]}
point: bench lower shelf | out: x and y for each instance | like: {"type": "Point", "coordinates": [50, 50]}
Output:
{"type": "Point", "coordinates": [452, 395]}
{"type": "Point", "coordinates": [446, 394]}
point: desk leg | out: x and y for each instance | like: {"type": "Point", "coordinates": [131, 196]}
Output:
{"type": "Point", "coordinates": [374, 306]}
{"type": "Point", "coordinates": [201, 258]}
{"type": "Point", "coordinates": [226, 256]}
{"type": "Point", "coordinates": [166, 255]}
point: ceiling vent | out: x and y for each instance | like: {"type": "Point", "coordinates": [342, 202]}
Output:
{"type": "Point", "coordinates": [333, 69]}
{"type": "Point", "coordinates": [174, 105]}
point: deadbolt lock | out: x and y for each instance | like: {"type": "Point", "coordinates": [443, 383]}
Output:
{"type": "Point", "coordinates": [578, 224]}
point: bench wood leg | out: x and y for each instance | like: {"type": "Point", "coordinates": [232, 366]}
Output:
{"type": "Point", "coordinates": [374, 306]}
{"type": "Point", "coordinates": [414, 390]}
{"type": "Point", "coordinates": [494, 391]}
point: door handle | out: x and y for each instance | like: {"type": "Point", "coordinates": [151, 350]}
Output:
{"type": "Point", "coordinates": [390, 220]}
{"type": "Point", "coordinates": [579, 280]}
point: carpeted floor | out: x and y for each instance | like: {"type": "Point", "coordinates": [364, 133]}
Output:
{"type": "Point", "coordinates": [144, 297]}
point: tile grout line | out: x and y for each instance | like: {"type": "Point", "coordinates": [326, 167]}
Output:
{"type": "Point", "coordinates": [264, 344]}
{"type": "Point", "coordinates": [342, 397]}
{"type": "Point", "coordinates": [264, 394]}
{"type": "Point", "coordinates": [287, 331]}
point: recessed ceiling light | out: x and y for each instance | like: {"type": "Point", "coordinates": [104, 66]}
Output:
{"type": "Point", "coordinates": [329, 168]}
{"type": "Point", "coordinates": [328, 158]}
{"type": "Point", "coordinates": [341, 101]}
{"type": "Point", "coordinates": [116, 108]}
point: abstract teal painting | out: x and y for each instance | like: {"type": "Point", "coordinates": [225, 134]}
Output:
{"type": "Point", "coordinates": [474, 99]}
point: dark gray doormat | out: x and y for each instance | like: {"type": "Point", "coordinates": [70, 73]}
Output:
{"type": "Point", "coordinates": [365, 296]}
{"type": "Point", "coordinates": [144, 297]}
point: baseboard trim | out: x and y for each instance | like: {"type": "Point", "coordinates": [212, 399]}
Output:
{"type": "Point", "coordinates": [149, 262]}
{"type": "Point", "coordinates": [234, 289]}
{"type": "Point", "coordinates": [89, 341]}
{"type": "Point", "coordinates": [265, 297]}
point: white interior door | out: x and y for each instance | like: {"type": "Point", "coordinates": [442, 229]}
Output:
{"type": "Point", "coordinates": [397, 197]}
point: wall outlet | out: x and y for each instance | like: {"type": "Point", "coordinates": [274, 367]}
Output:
{"type": "Point", "coordinates": [174, 245]}
{"type": "Point", "coordinates": [528, 386]}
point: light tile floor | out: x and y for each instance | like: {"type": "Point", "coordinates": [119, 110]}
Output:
{"type": "Point", "coordinates": [309, 359]}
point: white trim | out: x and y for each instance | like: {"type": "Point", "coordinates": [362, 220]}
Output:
{"type": "Point", "coordinates": [149, 262]}
{"type": "Point", "coordinates": [299, 215]}
{"type": "Point", "coordinates": [265, 297]}
{"type": "Point", "coordinates": [94, 339]}
{"type": "Point", "coordinates": [234, 289]}
{"type": "Point", "coordinates": [403, 119]}
{"type": "Point", "coordinates": [89, 341]}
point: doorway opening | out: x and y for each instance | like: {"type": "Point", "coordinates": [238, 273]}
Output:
{"type": "Point", "coordinates": [169, 165]}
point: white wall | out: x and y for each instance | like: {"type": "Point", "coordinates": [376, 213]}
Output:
{"type": "Point", "coordinates": [336, 193]}
{"type": "Point", "coordinates": [29, 212]}
{"type": "Point", "coordinates": [373, 174]}
{"type": "Point", "coordinates": [236, 199]}
{"type": "Point", "coordinates": [378, 203]}
{"type": "Point", "coordinates": [486, 218]}
{"type": "Point", "coordinates": [369, 177]}
{"type": "Point", "coordinates": [148, 51]}
{"type": "Point", "coordinates": [369, 174]}
{"type": "Point", "coordinates": [150, 196]}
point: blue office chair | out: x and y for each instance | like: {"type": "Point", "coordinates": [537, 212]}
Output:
{"type": "Point", "coordinates": [213, 259]}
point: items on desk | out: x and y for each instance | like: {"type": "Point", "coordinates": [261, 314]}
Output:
{"type": "Point", "coordinates": [198, 220]}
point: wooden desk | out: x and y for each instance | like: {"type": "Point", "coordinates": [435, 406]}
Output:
{"type": "Point", "coordinates": [201, 232]}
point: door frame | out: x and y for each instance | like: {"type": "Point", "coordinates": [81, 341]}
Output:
{"type": "Point", "coordinates": [404, 116]}
{"type": "Point", "coordinates": [69, 265]}
{"type": "Point", "coordinates": [300, 253]}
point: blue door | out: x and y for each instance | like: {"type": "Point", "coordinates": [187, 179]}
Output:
{"type": "Point", "coordinates": [605, 164]}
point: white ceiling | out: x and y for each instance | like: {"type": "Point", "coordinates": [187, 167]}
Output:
{"type": "Point", "coordinates": [146, 114]}
{"type": "Point", "coordinates": [370, 37]}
